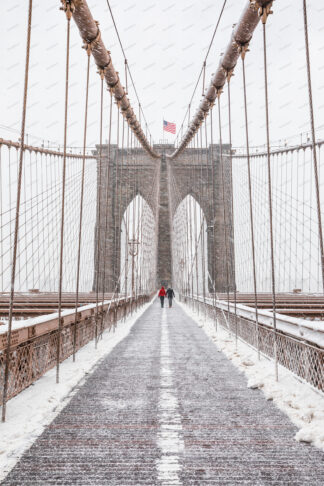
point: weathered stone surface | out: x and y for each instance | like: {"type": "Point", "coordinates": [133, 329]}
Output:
{"type": "Point", "coordinates": [119, 428]}
{"type": "Point", "coordinates": [164, 276]}
{"type": "Point", "coordinates": [125, 175]}
{"type": "Point", "coordinates": [197, 172]}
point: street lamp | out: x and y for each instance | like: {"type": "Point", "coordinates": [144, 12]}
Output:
{"type": "Point", "coordinates": [133, 251]}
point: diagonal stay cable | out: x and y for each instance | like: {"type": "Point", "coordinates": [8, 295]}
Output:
{"type": "Point", "coordinates": [126, 64]}
{"type": "Point", "coordinates": [241, 36]}
{"type": "Point", "coordinates": [204, 62]}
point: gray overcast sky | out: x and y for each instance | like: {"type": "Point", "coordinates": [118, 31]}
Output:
{"type": "Point", "coordinates": [165, 43]}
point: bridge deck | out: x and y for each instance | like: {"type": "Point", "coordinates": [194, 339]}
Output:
{"type": "Point", "coordinates": [26, 305]}
{"type": "Point", "coordinates": [166, 407]}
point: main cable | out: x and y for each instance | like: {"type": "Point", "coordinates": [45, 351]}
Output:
{"type": "Point", "coordinates": [203, 67]}
{"type": "Point", "coordinates": [127, 69]}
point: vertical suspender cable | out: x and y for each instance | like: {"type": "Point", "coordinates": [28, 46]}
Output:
{"type": "Point", "coordinates": [121, 183]}
{"type": "Point", "coordinates": [114, 208]}
{"type": "Point", "coordinates": [136, 242]}
{"type": "Point", "coordinates": [223, 198]}
{"type": "Point", "coordinates": [201, 221]}
{"type": "Point", "coordinates": [207, 178]}
{"type": "Point", "coordinates": [99, 185]}
{"type": "Point", "coordinates": [213, 213]}
{"type": "Point", "coordinates": [232, 201]}
{"type": "Point", "coordinates": [1, 219]}
{"type": "Point", "coordinates": [133, 220]}
{"type": "Point", "coordinates": [250, 204]}
{"type": "Point", "coordinates": [311, 112]}
{"type": "Point", "coordinates": [127, 218]}
{"type": "Point", "coordinates": [106, 209]}
{"type": "Point", "coordinates": [32, 224]}
{"type": "Point", "coordinates": [58, 351]}
{"type": "Point", "coordinates": [273, 281]}
{"type": "Point", "coordinates": [81, 205]}
{"type": "Point", "coordinates": [204, 75]}
{"type": "Point", "coordinates": [119, 202]}
{"type": "Point", "coordinates": [187, 248]}
{"type": "Point", "coordinates": [190, 190]}
{"type": "Point", "coordinates": [195, 231]}
{"type": "Point", "coordinates": [15, 245]}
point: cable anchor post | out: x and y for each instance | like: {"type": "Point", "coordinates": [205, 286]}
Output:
{"type": "Point", "coordinates": [89, 45]}
{"type": "Point", "coordinates": [243, 49]}
{"type": "Point", "coordinates": [126, 79]}
{"type": "Point", "coordinates": [219, 91]}
{"type": "Point", "coordinates": [68, 7]}
{"type": "Point", "coordinates": [229, 74]}
{"type": "Point", "coordinates": [204, 76]}
{"type": "Point", "coordinates": [264, 10]}
{"type": "Point", "coordinates": [102, 72]}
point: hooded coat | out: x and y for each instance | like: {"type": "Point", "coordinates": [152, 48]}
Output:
{"type": "Point", "coordinates": [162, 292]}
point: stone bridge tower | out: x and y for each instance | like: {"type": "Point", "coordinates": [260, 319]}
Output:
{"type": "Point", "coordinates": [197, 172]}
{"type": "Point", "coordinates": [131, 174]}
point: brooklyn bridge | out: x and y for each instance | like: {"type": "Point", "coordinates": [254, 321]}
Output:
{"type": "Point", "coordinates": [103, 202]}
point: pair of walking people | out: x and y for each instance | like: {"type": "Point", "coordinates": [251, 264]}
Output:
{"type": "Point", "coordinates": [166, 293]}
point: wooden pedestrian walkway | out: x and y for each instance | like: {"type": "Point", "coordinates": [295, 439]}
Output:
{"type": "Point", "coordinates": [165, 407]}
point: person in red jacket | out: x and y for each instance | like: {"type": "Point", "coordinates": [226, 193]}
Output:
{"type": "Point", "coordinates": [162, 294]}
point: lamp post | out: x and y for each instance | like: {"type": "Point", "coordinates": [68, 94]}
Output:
{"type": "Point", "coordinates": [133, 251]}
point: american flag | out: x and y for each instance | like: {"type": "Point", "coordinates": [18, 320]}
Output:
{"type": "Point", "coordinates": [169, 127]}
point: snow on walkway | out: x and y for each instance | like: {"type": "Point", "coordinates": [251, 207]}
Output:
{"type": "Point", "coordinates": [303, 404]}
{"type": "Point", "coordinates": [165, 406]}
{"type": "Point", "coordinates": [34, 408]}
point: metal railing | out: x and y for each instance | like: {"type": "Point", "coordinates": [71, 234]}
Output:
{"type": "Point", "coordinates": [34, 347]}
{"type": "Point", "coordinates": [303, 358]}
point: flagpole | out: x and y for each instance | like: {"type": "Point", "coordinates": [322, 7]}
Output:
{"type": "Point", "coordinates": [162, 129]}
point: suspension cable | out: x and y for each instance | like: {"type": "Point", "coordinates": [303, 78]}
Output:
{"type": "Point", "coordinates": [264, 19]}
{"type": "Point", "coordinates": [242, 34]}
{"type": "Point", "coordinates": [213, 212]}
{"type": "Point", "coordinates": [68, 11]}
{"type": "Point", "coordinates": [311, 112]}
{"type": "Point", "coordinates": [98, 232]}
{"type": "Point", "coordinates": [81, 203]}
{"type": "Point", "coordinates": [103, 281]}
{"type": "Point", "coordinates": [90, 32]}
{"type": "Point", "coordinates": [250, 201]}
{"type": "Point", "coordinates": [127, 68]}
{"type": "Point", "coordinates": [202, 70]}
{"type": "Point", "coordinates": [223, 200]}
{"type": "Point", "coordinates": [15, 244]}
{"type": "Point", "coordinates": [232, 200]}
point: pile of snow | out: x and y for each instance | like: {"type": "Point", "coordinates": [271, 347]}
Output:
{"type": "Point", "coordinates": [33, 409]}
{"type": "Point", "coordinates": [303, 405]}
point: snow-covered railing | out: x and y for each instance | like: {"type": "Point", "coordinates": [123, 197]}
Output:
{"type": "Point", "coordinates": [34, 341]}
{"type": "Point", "coordinates": [300, 343]}
{"type": "Point", "coordinates": [310, 331]}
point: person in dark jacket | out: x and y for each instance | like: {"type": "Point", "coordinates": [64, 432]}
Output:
{"type": "Point", "coordinates": [162, 294]}
{"type": "Point", "coordinates": [170, 295]}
